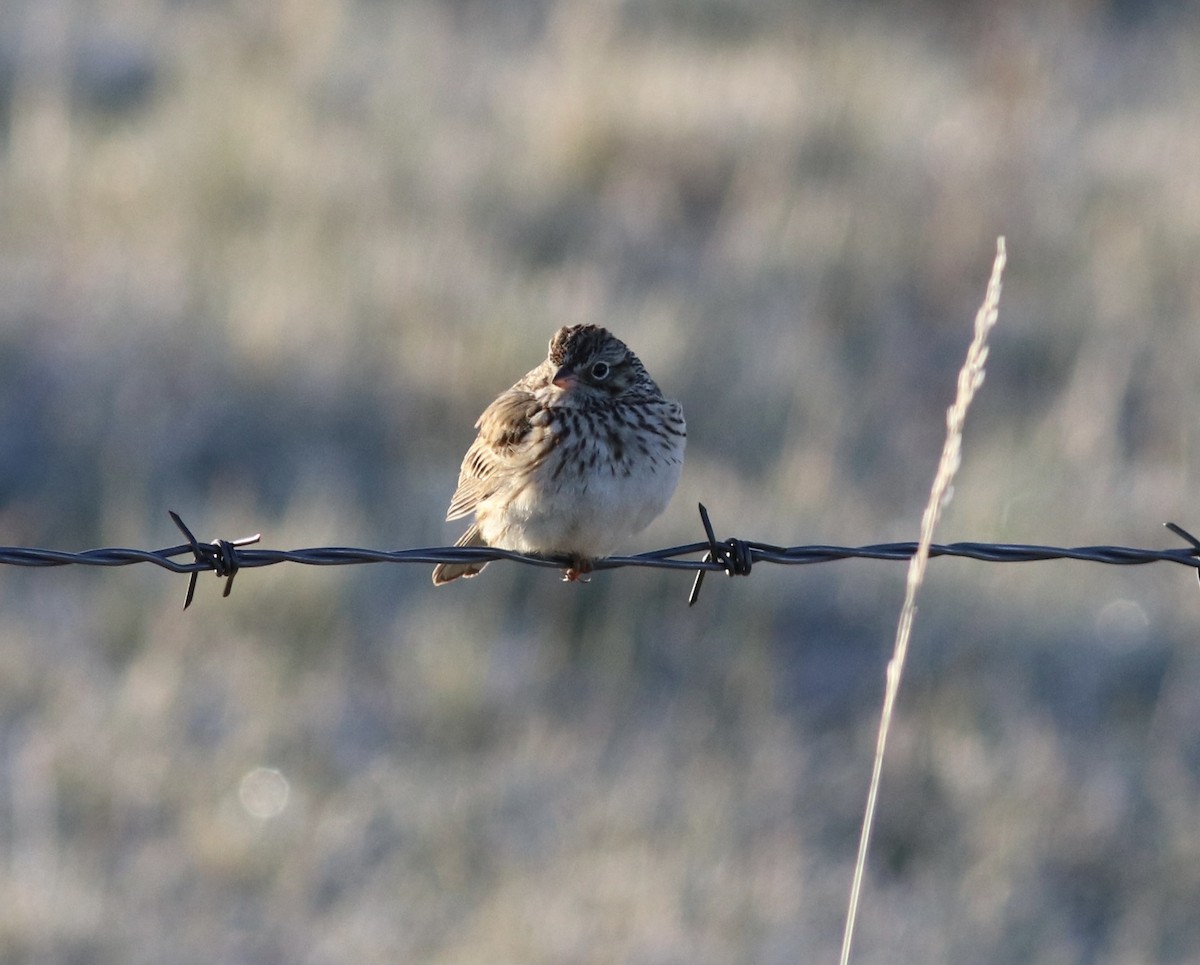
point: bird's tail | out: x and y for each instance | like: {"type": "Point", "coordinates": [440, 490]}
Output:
{"type": "Point", "coordinates": [445, 572]}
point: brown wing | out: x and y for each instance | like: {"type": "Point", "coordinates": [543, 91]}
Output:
{"type": "Point", "coordinates": [507, 434]}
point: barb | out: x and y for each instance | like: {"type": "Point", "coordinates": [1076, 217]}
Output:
{"type": "Point", "coordinates": [735, 557]}
{"type": "Point", "coordinates": [1184, 534]}
{"type": "Point", "coordinates": [220, 556]}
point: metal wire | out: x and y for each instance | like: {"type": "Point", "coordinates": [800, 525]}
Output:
{"type": "Point", "coordinates": [734, 557]}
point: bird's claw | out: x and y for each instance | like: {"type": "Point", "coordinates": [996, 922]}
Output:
{"type": "Point", "coordinates": [579, 571]}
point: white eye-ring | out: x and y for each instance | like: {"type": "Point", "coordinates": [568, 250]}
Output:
{"type": "Point", "coordinates": [600, 371]}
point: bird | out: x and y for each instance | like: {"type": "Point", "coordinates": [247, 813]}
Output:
{"type": "Point", "coordinates": [582, 452]}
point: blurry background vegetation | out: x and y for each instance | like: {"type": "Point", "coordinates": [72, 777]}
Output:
{"type": "Point", "coordinates": [264, 263]}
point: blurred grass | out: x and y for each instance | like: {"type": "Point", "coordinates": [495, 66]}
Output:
{"type": "Point", "coordinates": [265, 264]}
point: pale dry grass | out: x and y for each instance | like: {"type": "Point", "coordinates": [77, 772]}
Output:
{"type": "Point", "coordinates": [970, 378]}
{"type": "Point", "coordinates": [275, 292]}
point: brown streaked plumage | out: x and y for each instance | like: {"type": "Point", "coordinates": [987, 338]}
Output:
{"type": "Point", "coordinates": [582, 452]}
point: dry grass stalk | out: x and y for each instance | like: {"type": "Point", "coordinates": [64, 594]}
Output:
{"type": "Point", "coordinates": [970, 378]}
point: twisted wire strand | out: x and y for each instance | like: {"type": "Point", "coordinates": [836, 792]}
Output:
{"type": "Point", "coordinates": [732, 556]}
{"type": "Point", "coordinates": [656, 559]}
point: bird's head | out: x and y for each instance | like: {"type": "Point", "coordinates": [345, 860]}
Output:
{"type": "Point", "coordinates": [590, 362]}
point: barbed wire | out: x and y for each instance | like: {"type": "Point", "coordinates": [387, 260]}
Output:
{"type": "Point", "coordinates": [735, 557]}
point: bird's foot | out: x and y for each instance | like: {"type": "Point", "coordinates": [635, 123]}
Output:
{"type": "Point", "coordinates": [579, 571]}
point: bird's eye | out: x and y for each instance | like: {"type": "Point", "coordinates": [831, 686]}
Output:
{"type": "Point", "coordinates": [600, 371]}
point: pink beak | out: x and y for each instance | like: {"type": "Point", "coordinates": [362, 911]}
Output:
{"type": "Point", "coordinates": [564, 378]}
